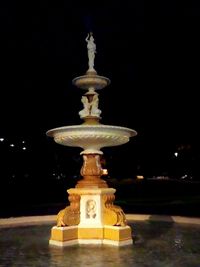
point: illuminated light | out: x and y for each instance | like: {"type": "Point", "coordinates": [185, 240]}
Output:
{"type": "Point", "coordinates": [23, 142]}
{"type": "Point", "coordinates": [176, 154]}
{"type": "Point", "coordinates": [12, 145]}
{"type": "Point", "coordinates": [140, 177]}
{"type": "Point", "coordinates": [104, 172]}
{"type": "Point", "coordinates": [24, 148]}
{"type": "Point", "coordinates": [1, 139]}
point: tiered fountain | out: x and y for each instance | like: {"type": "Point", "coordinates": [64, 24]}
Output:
{"type": "Point", "coordinates": [91, 218]}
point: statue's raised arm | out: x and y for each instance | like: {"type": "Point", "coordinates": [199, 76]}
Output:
{"type": "Point", "coordinates": [91, 46]}
{"type": "Point", "coordinates": [87, 38]}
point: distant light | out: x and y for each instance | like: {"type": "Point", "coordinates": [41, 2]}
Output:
{"type": "Point", "coordinates": [24, 148]}
{"type": "Point", "coordinates": [176, 154]}
{"type": "Point", "coordinates": [104, 172]}
{"type": "Point", "coordinates": [140, 177]}
{"type": "Point", "coordinates": [12, 145]}
{"type": "Point", "coordinates": [23, 142]}
{"type": "Point", "coordinates": [1, 139]}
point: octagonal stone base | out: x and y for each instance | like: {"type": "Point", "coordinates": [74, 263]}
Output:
{"type": "Point", "coordinates": [72, 235]}
{"type": "Point", "coordinates": [101, 222]}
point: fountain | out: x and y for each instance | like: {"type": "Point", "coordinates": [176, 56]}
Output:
{"type": "Point", "coordinates": [92, 217]}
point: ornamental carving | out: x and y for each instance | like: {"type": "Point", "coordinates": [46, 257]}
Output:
{"type": "Point", "coordinates": [91, 208]}
{"type": "Point", "coordinates": [71, 214]}
{"type": "Point", "coordinates": [112, 214]}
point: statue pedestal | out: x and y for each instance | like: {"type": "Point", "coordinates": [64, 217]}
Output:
{"type": "Point", "coordinates": [91, 218]}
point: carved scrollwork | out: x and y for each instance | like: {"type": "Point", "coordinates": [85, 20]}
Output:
{"type": "Point", "coordinates": [91, 165]}
{"type": "Point", "coordinates": [112, 214]}
{"type": "Point", "coordinates": [91, 172]}
{"type": "Point", "coordinates": [71, 214]}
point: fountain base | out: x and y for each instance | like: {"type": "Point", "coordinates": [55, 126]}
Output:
{"type": "Point", "coordinates": [108, 235]}
{"type": "Point", "coordinates": [91, 218]}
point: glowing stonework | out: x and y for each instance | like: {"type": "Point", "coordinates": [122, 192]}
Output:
{"type": "Point", "coordinates": [91, 217]}
{"type": "Point", "coordinates": [90, 108]}
{"type": "Point", "coordinates": [91, 136]}
{"type": "Point", "coordinates": [101, 222]}
{"type": "Point", "coordinates": [91, 51]}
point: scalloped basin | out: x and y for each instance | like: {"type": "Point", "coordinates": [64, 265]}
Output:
{"type": "Point", "coordinates": [91, 137]}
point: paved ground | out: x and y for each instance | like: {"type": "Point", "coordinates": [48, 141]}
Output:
{"type": "Point", "coordinates": [32, 220]}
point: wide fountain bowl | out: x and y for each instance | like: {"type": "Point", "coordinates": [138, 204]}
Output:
{"type": "Point", "coordinates": [91, 137]}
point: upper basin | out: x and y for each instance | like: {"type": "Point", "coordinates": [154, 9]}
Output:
{"type": "Point", "coordinates": [88, 81]}
{"type": "Point", "coordinates": [91, 137]}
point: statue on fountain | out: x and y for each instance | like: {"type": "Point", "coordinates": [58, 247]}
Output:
{"type": "Point", "coordinates": [95, 111]}
{"type": "Point", "coordinates": [86, 107]}
{"type": "Point", "coordinates": [90, 108]}
{"type": "Point", "coordinates": [91, 46]}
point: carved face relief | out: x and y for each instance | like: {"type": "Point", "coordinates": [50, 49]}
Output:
{"type": "Point", "coordinates": [90, 209]}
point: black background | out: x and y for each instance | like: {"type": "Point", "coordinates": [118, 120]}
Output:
{"type": "Point", "coordinates": [149, 51]}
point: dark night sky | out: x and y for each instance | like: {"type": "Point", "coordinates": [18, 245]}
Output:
{"type": "Point", "coordinates": [150, 54]}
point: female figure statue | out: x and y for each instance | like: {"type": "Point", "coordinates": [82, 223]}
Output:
{"type": "Point", "coordinates": [91, 46]}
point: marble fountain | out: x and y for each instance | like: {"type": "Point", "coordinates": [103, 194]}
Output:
{"type": "Point", "coordinates": [92, 220]}
{"type": "Point", "coordinates": [91, 217]}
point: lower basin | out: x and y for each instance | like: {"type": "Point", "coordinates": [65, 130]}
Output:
{"type": "Point", "coordinates": [156, 244]}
